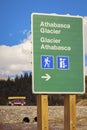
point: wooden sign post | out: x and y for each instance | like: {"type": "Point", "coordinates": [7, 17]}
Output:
{"type": "Point", "coordinates": [42, 112]}
{"type": "Point", "coordinates": [70, 112]}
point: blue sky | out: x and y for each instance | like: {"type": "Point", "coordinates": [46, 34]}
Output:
{"type": "Point", "coordinates": [15, 15]}
{"type": "Point", "coordinates": [15, 27]}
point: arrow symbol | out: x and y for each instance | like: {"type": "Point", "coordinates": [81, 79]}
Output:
{"type": "Point", "coordinates": [46, 77]}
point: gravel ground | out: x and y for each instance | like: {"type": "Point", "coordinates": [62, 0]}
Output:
{"type": "Point", "coordinates": [56, 120]}
{"type": "Point", "coordinates": [52, 126]}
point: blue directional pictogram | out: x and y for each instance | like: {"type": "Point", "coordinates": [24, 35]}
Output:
{"type": "Point", "coordinates": [47, 62]}
{"type": "Point", "coordinates": [63, 62]}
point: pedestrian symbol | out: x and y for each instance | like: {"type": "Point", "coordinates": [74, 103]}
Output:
{"type": "Point", "coordinates": [63, 62]}
{"type": "Point", "coordinates": [47, 62]}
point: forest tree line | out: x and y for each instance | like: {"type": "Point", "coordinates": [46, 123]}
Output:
{"type": "Point", "coordinates": [22, 86]}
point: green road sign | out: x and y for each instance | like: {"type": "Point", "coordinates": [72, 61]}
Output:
{"type": "Point", "coordinates": [58, 63]}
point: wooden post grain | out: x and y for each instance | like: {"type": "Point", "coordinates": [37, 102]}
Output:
{"type": "Point", "coordinates": [42, 112]}
{"type": "Point", "coordinates": [70, 112]}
